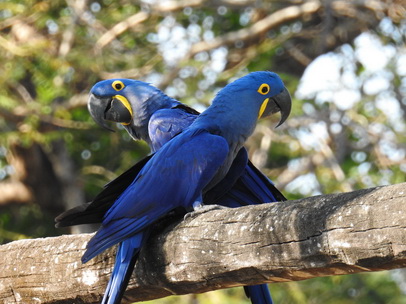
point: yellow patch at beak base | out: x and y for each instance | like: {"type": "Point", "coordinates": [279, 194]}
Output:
{"type": "Point", "coordinates": [126, 104]}
{"type": "Point", "coordinates": [263, 107]}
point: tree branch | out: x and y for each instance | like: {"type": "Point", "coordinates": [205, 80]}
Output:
{"type": "Point", "coordinates": [120, 28]}
{"type": "Point", "coordinates": [295, 240]}
{"type": "Point", "coordinates": [262, 26]}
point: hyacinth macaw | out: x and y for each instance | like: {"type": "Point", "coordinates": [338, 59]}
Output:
{"type": "Point", "coordinates": [168, 118]}
{"type": "Point", "coordinates": [150, 115]}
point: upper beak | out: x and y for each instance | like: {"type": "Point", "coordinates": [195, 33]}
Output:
{"type": "Point", "coordinates": [109, 109]}
{"type": "Point", "coordinates": [279, 103]}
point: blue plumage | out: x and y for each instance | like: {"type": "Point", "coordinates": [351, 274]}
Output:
{"type": "Point", "coordinates": [174, 177]}
{"type": "Point", "coordinates": [150, 120]}
{"type": "Point", "coordinates": [222, 175]}
{"type": "Point", "coordinates": [127, 253]}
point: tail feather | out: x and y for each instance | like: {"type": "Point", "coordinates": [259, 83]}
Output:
{"type": "Point", "coordinates": [82, 214]}
{"type": "Point", "coordinates": [93, 212]}
{"type": "Point", "coordinates": [126, 257]}
{"type": "Point", "coordinates": [258, 294]}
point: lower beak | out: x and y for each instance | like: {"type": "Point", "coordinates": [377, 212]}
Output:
{"type": "Point", "coordinates": [116, 109]}
{"type": "Point", "coordinates": [279, 103]}
{"type": "Point", "coordinates": [119, 110]}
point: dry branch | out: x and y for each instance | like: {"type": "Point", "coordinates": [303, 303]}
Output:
{"type": "Point", "coordinates": [260, 27]}
{"type": "Point", "coordinates": [319, 236]}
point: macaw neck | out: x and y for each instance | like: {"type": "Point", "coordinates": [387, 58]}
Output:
{"type": "Point", "coordinates": [234, 126]}
{"type": "Point", "coordinates": [138, 128]}
{"type": "Point", "coordinates": [223, 120]}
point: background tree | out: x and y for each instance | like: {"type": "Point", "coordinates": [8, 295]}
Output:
{"type": "Point", "coordinates": [345, 60]}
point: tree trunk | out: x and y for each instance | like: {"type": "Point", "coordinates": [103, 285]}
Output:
{"type": "Point", "coordinates": [295, 240]}
{"type": "Point", "coordinates": [48, 179]}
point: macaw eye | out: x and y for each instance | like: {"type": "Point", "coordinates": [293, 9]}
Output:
{"type": "Point", "coordinates": [264, 89]}
{"type": "Point", "coordinates": [118, 85]}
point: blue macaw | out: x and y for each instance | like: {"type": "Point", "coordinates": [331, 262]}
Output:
{"type": "Point", "coordinates": [169, 118]}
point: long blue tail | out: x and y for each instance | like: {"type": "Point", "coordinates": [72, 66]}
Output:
{"type": "Point", "coordinates": [258, 294]}
{"type": "Point", "coordinates": [127, 254]}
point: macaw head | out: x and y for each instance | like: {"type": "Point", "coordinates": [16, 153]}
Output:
{"type": "Point", "coordinates": [256, 95]}
{"type": "Point", "coordinates": [127, 101]}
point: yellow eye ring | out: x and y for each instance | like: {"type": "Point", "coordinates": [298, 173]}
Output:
{"type": "Point", "coordinates": [264, 89]}
{"type": "Point", "coordinates": [118, 85]}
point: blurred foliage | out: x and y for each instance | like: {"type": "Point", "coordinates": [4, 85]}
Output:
{"type": "Point", "coordinates": [346, 131]}
{"type": "Point", "coordinates": [14, 225]}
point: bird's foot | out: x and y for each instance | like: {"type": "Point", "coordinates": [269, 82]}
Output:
{"type": "Point", "coordinates": [200, 209]}
{"type": "Point", "coordinates": [204, 208]}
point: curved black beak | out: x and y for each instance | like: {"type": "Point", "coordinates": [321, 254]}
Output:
{"type": "Point", "coordinates": [97, 107]}
{"type": "Point", "coordinates": [279, 103]}
{"type": "Point", "coordinates": [108, 109]}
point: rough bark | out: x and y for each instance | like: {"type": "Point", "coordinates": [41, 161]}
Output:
{"type": "Point", "coordinates": [295, 240]}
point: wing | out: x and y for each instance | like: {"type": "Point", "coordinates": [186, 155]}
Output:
{"type": "Point", "coordinates": [174, 177]}
{"type": "Point", "coordinates": [163, 126]}
{"type": "Point", "coordinates": [243, 185]}
{"type": "Point", "coordinates": [260, 185]}
{"type": "Point", "coordinates": [252, 188]}
{"type": "Point", "coordinates": [167, 123]}
{"type": "Point", "coordinates": [94, 211]}
{"type": "Point", "coordinates": [216, 194]}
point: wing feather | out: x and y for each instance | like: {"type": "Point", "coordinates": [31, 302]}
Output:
{"type": "Point", "coordinates": [174, 177]}
{"type": "Point", "coordinates": [166, 124]}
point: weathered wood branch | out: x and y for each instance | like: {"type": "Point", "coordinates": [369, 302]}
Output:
{"type": "Point", "coordinates": [295, 240]}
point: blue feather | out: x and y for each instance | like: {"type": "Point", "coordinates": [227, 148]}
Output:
{"type": "Point", "coordinates": [173, 177]}
{"type": "Point", "coordinates": [166, 124]}
{"type": "Point", "coordinates": [127, 253]}
{"type": "Point", "coordinates": [258, 294]}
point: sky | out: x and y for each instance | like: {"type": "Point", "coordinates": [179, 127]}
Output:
{"type": "Point", "coordinates": [333, 78]}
